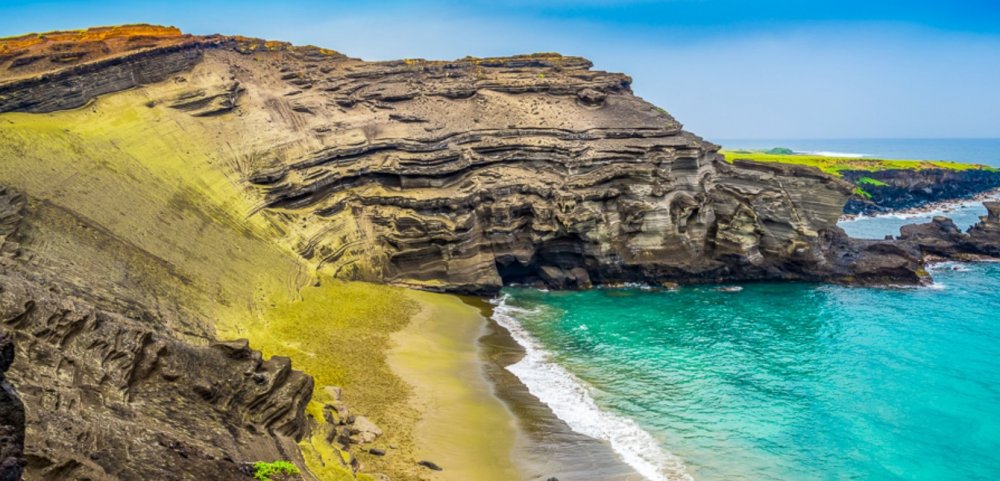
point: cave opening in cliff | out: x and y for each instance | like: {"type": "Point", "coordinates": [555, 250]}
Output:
{"type": "Point", "coordinates": [558, 263]}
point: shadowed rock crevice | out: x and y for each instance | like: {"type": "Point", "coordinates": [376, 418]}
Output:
{"type": "Point", "coordinates": [11, 418]}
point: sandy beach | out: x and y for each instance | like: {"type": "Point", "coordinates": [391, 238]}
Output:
{"type": "Point", "coordinates": [477, 420]}
{"type": "Point", "coordinates": [462, 427]}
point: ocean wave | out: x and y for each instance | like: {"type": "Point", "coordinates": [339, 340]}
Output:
{"type": "Point", "coordinates": [571, 401]}
{"type": "Point", "coordinates": [846, 155]}
{"type": "Point", "coordinates": [933, 210]}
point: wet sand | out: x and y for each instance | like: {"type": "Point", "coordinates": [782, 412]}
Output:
{"type": "Point", "coordinates": [546, 447]}
{"type": "Point", "coordinates": [477, 420]}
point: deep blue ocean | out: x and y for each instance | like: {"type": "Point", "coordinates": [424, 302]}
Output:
{"type": "Point", "coordinates": [776, 381]}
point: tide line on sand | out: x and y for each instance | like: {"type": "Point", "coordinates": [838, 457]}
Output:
{"type": "Point", "coordinates": [570, 399]}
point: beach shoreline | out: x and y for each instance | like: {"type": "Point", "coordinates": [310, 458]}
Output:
{"type": "Point", "coordinates": [475, 418]}
{"type": "Point", "coordinates": [457, 424]}
{"type": "Point", "coordinates": [546, 446]}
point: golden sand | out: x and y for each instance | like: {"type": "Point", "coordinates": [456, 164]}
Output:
{"type": "Point", "coordinates": [462, 427]}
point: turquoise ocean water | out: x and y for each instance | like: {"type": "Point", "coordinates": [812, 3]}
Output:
{"type": "Point", "coordinates": [777, 381]}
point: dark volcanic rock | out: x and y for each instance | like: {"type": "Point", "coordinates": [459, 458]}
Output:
{"type": "Point", "coordinates": [984, 237]}
{"type": "Point", "coordinates": [457, 175]}
{"type": "Point", "coordinates": [907, 189]}
{"type": "Point", "coordinates": [11, 418]}
{"type": "Point", "coordinates": [73, 87]}
{"type": "Point", "coordinates": [112, 395]}
{"type": "Point", "coordinates": [155, 407]}
{"type": "Point", "coordinates": [941, 239]}
{"type": "Point", "coordinates": [874, 262]}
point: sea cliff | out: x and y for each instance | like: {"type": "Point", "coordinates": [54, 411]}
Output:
{"type": "Point", "coordinates": [206, 237]}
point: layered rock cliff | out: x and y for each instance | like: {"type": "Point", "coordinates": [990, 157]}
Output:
{"type": "Point", "coordinates": [112, 392]}
{"type": "Point", "coordinates": [469, 174]}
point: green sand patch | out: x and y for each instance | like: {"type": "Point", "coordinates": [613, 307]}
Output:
{"type": "Point", "coordinates": [462, 426]}
{"type": "Point", "coordinates": [338, 332]}
{"type": "Point", "coordinates": [834, 165]}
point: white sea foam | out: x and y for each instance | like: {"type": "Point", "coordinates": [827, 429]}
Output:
{"type": "Point", "coordinates": [571, 401]}
{"type": "Point", "coordinates": [948, 266]}
{"type": "Point", "coordinates": [937, 209]}
{"type": "Point", "coordinates": [846, 155]}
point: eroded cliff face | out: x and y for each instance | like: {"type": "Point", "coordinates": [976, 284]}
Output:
{"type": "Point", "coordinates": [113, 392]}
{"type": "Point", "coordinates": [469, 174]}
{"type": "Point", "coordinates": [907, 189]}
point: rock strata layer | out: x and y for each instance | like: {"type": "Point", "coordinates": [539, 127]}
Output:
{"type": "Point", "coordinates": [458, 176]}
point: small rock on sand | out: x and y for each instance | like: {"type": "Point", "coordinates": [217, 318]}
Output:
{"type": "Point", "coordinates": [366, 430]}
{"type": "Point", "coordinates": [430, 465]}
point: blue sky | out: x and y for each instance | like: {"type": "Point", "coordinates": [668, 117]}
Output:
{"type": "Point", "coordinates": [725, 68]}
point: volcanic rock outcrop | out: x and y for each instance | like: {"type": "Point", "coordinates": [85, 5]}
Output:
{"type": "Point", "coordinates": [470, 174]}
{"type": "Point", "coordinates": [898, 189]}
{"type": "Point", "coordinates": [114, 393]}
{"type": "Point", "coordinates": [941, 239]}
{"type": "Point", "coordinates": [168, 178]}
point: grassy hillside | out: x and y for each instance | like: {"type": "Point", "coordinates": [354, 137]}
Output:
{"type": "Point", "coordinates": [834, 165]}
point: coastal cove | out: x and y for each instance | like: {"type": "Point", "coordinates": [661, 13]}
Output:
{"type": "Point", "coordinates": [786, 381]}
{"type": "Point", "coordinates": [234, 258]}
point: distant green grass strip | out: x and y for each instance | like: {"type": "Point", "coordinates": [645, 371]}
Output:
{"type": "Point", "coordinates": [834, 165]}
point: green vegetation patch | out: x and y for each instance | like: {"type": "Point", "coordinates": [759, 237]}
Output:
{"type": "Point", "coordinates": [834, 165]}
{"type": "Point", "coordinates": [871, 181]}
{"type": "Point", "coordinates": [263, 471]}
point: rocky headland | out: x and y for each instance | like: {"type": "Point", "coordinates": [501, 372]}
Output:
{"type": "Point", "coordinates": [902, 189]}
{"type": "Point", "coordinates": [166, 193]}
{"type": "Point", "coordinates": [886, 186]}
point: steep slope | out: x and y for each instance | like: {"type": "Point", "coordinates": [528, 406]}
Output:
{"type": "Point", "coordinates": [145, 221]}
